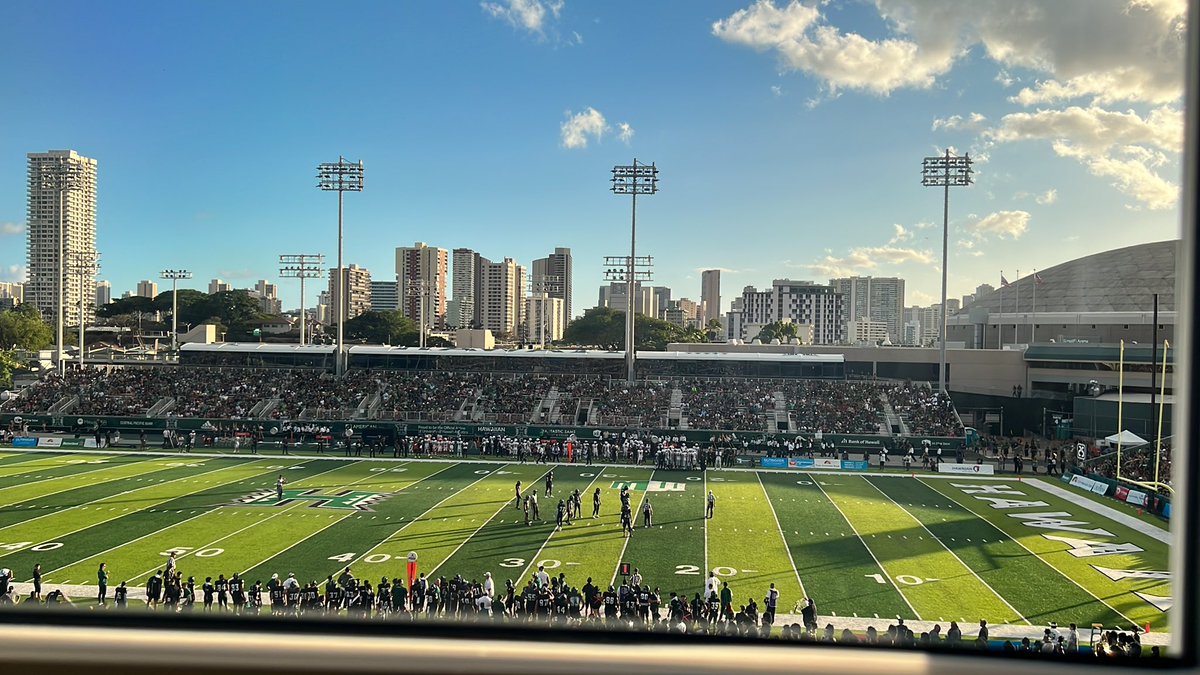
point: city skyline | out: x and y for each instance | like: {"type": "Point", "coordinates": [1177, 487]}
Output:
{"type": "Point", "coordinates": [520, 122]}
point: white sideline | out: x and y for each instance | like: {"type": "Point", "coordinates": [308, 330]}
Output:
{"type": "Point", "coordinates": [1107, 511]}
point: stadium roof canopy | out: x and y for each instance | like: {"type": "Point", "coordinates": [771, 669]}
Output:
{"type": "Point", "coordinates": [1120, 280]}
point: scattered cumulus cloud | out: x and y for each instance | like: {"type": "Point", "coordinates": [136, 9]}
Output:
{"type": "Point", "coordinates": [919, 298]}
{"type": "Point", "coordinates": [531, 16]}
{"type": "Point", "coordinates": [973, 122]}
{"type": "Point", "coordinates": [777, 90]}
{"type": "Point", "coordinates": [11, 229]}
{"type": "Point", "coordinates": [902, 234]}
{"type": "Point", "coordinates": [18, 273]}
{"type": "Point", "coordinates": [1002, 224]}
{"type": "Point", "coordinates": [580, 126]}
{"type": "Point", "coordinates": [625, 132]}
{"type": "Point", "coordinates": [867, 258]}
{"type": "Point", "coordinates": [1048, 197]}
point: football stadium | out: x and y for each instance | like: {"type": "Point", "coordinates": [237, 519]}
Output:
{"type": "Point", "coordinates": [788, 501]}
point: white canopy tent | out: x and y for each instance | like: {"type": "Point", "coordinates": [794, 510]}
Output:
{"type": "Point", "coordinates": [1126, 438]}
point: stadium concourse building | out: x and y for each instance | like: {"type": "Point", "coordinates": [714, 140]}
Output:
{"type": "Point", "coordinates": [1050, 368]}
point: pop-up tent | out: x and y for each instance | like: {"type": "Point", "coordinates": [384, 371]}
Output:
{"type": "Point", "coordinates": [1126, 438]}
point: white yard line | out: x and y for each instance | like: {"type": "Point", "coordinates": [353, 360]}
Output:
{"type": "Point", "coordinates": [633, 516]}
{"type": "Point", "coordinates": [951, 552]}
{"type": "Point", "coordinates": [866, 546]}
{"type": "Point", "coordinates": [452, 495]}
{"type": "Point", "coordinates": [803, 593]}
{"type": "Point", "coordinates": [485, 522]}
{"type": "Point", "coordinates": [67, 477]}
{"type": "Point", "coordinates": [533, 561]}
{"type": "Point", "coordinates": [1018, 542]}
{"type": "Point", "coordinates": [1100, 509]}
{"type": "Point", "coordinates": [704, 505]}
{"type": "Point", "coordinates": [115, 516]}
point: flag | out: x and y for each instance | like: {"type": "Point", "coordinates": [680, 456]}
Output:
{"type": "Point", "coordinates": [1037, 279]}
{"type": "Point", "coordinates": [1003, 281]}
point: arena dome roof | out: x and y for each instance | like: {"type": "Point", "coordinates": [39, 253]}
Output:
{"type": "Point", "coordinates": [1120, 280]}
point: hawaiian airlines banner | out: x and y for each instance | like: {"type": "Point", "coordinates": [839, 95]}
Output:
{"type": "Point", "coordinates": [971, 469]}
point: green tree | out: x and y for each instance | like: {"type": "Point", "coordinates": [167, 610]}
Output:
{"type": "Point", "coordinates": [784, 331]}
{"type": "Point", "coordinates": [714, 329]}
{"type": "Point", "coordinates": [386, 327]}
{"type": "Point", "coordinates": [604, 327]}
{"type": "Point", "coordinates": [127, 306]}
{"type": "Point", "coordinates": [8, 365]}
{"type": "Point", "coordinates": [24, 328]}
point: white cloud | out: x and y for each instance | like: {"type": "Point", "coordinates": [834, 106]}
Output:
{"type": "Point", "coordinates": [625, 132]}
{"type": "Point", "coordinates": [1001, 224]}
{"type": "Point", "coordinates": [866, 258]}
{"type": "Point", "coordinates": [1139, 57]}
{"type": "Point", "coordinates": [528, 15]}
{"type": "Point", "coordinates": [901, 234]}
{"type": "Point", "coordinates": [919, 298]}
{"type": "Point", "coordinates": [973, 122]}
{"type": "Point", "coordinates": [19, 273]}
{"type": "Point", "coordinates": [11, 229]}
{"type": "Point", "coordinates": [1048, 197]}
{"type": "Point", "coordinates": [580, 126]}
{"type": "Point", "coordinates": [777, 90]}
{"type": "Point", "coordinates": [1121, 146]}
{"type": "Point", "coordinates": [804, 42]}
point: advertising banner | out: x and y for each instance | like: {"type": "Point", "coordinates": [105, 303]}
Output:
{"type": "Point", "coordinates": [1136, 498]}
{"type": "Point", "coordinates": [1122, 492]}
{"type": "Point", "coordinates": [1100, 488]}
{"type": "Point", "coordinates": [823, 463]}
{"type": "Point", "coordinates": [854, 465]}
{"type": "Point", "coordinates": [969, 469]}
{"type": "Point", "coordinates": [1082, 482]}
{"type": "Point", "coordinates": [49, 442]}
{"type": "Point", "coordinates": [25, 442]}
{"type": "Point", "coordinates": [775, 463]}
{"type": "Point", "coordinates": [77, 442]}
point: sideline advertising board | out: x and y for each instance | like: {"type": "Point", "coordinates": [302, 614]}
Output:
{"type": "Point", "coordinates": [967, 469]}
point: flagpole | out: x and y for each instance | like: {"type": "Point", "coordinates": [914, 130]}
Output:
{"type": "Point", "coordinates": [1000, 322]}
{"type": "Point", "coordinates": [1033, 325]}
{"type": "Point", "coordinates": [1120, 406]}
{"type": "Point", "coordinates": [1017, 309]}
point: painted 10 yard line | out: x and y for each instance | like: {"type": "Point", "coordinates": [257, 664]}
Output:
{"type": "Point", "coordinates": [487, 520]}
{"type": "Point", "coordinates": [533, 560]}
{"type": "Point", "coordinates": [268, 518]}
{"type": "Point", "coordinates": [453, 493]}
{"type": "Point", "coordinates": [782, 535]}
{"type": "Point", "coordinates": [175, 525]}
{"type": "Point", "coordinates": [1018, 541]}
{"type": "Point", "coordinates": [118, 515]}
{"type": "Point", "coordinates": [948, 550]}
{"type": "Point", "coordinates": [816, 481]}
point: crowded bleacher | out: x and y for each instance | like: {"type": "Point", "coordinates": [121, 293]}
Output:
{"type": "Point", "coordinates": [719, 404]}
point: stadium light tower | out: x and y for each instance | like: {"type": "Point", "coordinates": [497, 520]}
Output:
{"type": "Point", "coordinates": [945, 171]}
{"type": "Point", "coordinates": [302, 266]}
{"type": "Point", "coordinates": [87, 266]}
{"type": "Point", "coordinates": [62, 178]}
{"type": "Point", "coordinates": [417, 288]}
{"type": "Point", "coordinates": [342, 177]}
{"type": "Point", "coordinates": [542, 287]}
{"type": "Point", "coordinates": [633, 179]}
{"type": "Point", "coordinates": [175, 276]}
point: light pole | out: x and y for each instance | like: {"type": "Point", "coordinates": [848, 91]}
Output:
{"type": "Point", "coordinates": [341, 177]}
{"type": "Point", "coordinates": [945, 171]}
{"type": "Point", "coordinates": [302, 266]}
{"type": "Point", "coordinates": [417, 288]}
{"type": "Point", "coordinates": [541, 288]}
{"type": "Point", "coordinates": [633, 179]}
{"type": "Point", "coordinates": [175, 276]}
{"type": "Point", "coordinates": [85, 264]}
{"type": "Point", "coordinates": [62, 178]}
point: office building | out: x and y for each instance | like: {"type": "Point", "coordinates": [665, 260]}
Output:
{"type": "Point", "coordinates": [662, 299]}
{"type": "Point", "coordinates": [75, 208]}
{"type": "Point", "coordinates": [384, 297]}
{"type": "Point", "coordinates": [421, 275]}
{"type": "Point", "coordinates": [217, 286]}
{"type": "Point", "coordinates": [645, 302]}
{"type": "Point", "coordinates": [357, 282]}
{"type": "Point", "coordinates": [873, 299]}
{"type": "Point", "coordinates": [683, 312]}
{"type": "Point", "coordinates": [103, 293]}
{"type": "Point", "coordinates": [267, 295]}
{"type": "Point", "coordinates": [552, 275]}
{"type": "Point", "coordinates": [147, 289]}
{"type": "Point", "coordinates": [710, 295]}
{"type": "Point", "coordinates": [500, 296]}
{"type": "Point", "coordinates": [13, 290]}
{"type": "Point", "coordinates": [802, 302]}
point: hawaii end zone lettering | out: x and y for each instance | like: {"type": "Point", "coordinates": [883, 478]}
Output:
{"type": "Point", "coordinates": [648, 486]}
{"type": "Point", "coordinates": [349, 500]}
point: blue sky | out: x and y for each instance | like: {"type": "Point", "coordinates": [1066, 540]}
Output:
{"type": "Point", "coordinates": [789, 136]}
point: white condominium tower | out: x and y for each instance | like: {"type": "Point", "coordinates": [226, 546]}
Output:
{"type": "Point", "coordinates": [65, 175]}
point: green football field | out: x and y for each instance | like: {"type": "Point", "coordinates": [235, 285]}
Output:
{"type": "Point", "coordinates": [931, 548]}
